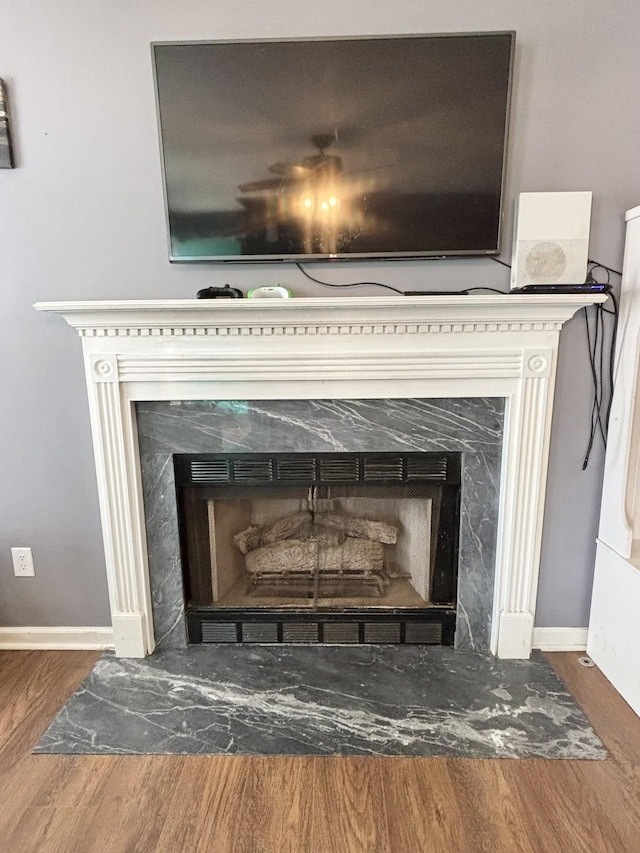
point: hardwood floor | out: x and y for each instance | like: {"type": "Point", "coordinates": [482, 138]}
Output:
{"type": "Point", "coordinates": [193, 804]}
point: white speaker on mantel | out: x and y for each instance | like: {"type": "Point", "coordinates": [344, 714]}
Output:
{"type": "Point", "coordinates": [551, 239]}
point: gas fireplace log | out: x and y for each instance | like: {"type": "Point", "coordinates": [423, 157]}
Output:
{"type": "Point", "coordinates": [361, 528]}
{"type": "Point", "coordinates": [255, 536]}
{"type": "Point", "coordinates": [295, 556]}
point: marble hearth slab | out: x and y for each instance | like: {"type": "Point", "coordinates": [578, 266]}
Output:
{"type": "Point", "coordinates": [282, 700]}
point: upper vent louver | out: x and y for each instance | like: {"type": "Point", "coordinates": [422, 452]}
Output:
{"type": "Point", "coordinates": [253, 469]}
{"type": "Point", "coordinates": [383, 468]}
{"type": "Point", "coordinates": [210, 471]}
{"type": "Point", "coordinates": [335, 469]}
{"type": "Point", "coordinates": [317, 468]}
{"type": "Point", "coordinates": [427, 467]}
{"type": "Point", "coordinates": [296, 468]}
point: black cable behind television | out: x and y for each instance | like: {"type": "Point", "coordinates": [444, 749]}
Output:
{"type": "Point", "coordinates": [303, 149]}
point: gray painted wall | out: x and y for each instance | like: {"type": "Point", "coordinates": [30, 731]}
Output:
{"type": "Point", "coordinates": [82, 218]}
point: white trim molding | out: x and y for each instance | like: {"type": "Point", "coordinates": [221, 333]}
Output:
{"type": "Point", "coordinates": [351, 348]}
{"type": "Point", "coordinates": [56, 638]}
{"type": "Point", "coordinates": [560, 639]}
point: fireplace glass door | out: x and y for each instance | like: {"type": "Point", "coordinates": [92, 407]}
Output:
{"type": "Point", "coordinates": [327, 542]}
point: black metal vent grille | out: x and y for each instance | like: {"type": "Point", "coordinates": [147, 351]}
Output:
{"type": "Point", "coordinates": [219, 632]}
{"type": "Point", "coordinates": [427, 466]}
{"type": "Point", "coordinates": [300, 632]}
{"type": "Point", "coordinates": [338, 469]}
{"type": "Point", "coordinates": [341, 633]}
{"type": "Point", "coordinates": [429, 633]}
{"type": "Point", "coordinates": [434, 626]}
{"type": "Point", "coordinates": [211, 471]}
{"type": "Point", "coordinates": [384, 469]}
{"type": "Point", "coordinates": [317, 468]}
{"type": "Point", "coordinates": [298, 468]}
{"type": "Point", "coordinates": [252, 469]}
{"type": "Point", "coordinates": [259, 632]}
{"type": "Point", "coordinates": [382, 632]}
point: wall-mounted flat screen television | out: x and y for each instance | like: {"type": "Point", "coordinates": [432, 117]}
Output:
{"type": "Point", "coordinates": [373, 147]}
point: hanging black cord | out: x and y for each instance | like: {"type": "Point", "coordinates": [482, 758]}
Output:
{"type": "Point", "coordinates": [614, 335]}
{"type": "Point", "coordinates": [353, 284]}
{"type": "Point", "coordinates": [597, 264]}
{"type": "Point", "coordinates": [395, 289]}
{"type": "Point", "coordinates": [594, 378]}
{"type": "Point", "coordinates": [603, 388]}
{"type": "Point", "coordinates": [612, 353]}
{"type": "Point", "coordinates": [599, 412]}
{"type": "Point", "coordinates": [601, 371]}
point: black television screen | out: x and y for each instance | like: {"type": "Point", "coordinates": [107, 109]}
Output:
{"type": "Point", "coordinates": [293, 149]}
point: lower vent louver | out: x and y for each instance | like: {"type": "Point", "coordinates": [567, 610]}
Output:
{"type": "Point", "coordinates": [370, 628]}
{"type": "Point", "coordinates": [219, 632]}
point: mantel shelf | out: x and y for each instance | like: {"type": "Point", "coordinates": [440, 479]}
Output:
{"type": "Point", "coordinates": [198, 313]}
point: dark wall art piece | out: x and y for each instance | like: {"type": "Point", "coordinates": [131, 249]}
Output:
{"type": "Point", "coordinates": [6, 154]}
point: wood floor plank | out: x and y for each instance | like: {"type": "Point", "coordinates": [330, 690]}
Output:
{"type": "Point", "coordinates": [422, 807]}
{"type": "Point", "coordinates": [275, 808]}
{"type": "Point", "coordinates": [250, 804]}
{"type": "Point", "coordinates": [490, 818]}
{"type": "Point", "coordinates": [612, 718]}
{"type": "Point", "coordinates": [134, 807]}
{"type": "Point", "coordinates": [280, 801]}
{"type": "Point", "coordinates": [38, 690]}
{"type": "Point", "coordinates": [74, 781]}
{"type": "Point", "coordinates": [615, 784]}
{"type": "Point", "coordinates": [52, 830]}
{"type": "Point", "coordinates": [206, 807]}
{"type": "Point", "coordinates": [348, 809]}
{"type": "Point", "coordinates": [567, 814]}
{"type": "Point", "coordinates": [16, 791]}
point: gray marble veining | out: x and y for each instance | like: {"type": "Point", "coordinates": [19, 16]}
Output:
{"type": "Point", "coordinates": [327, 700]}
{"type": "Point", "coordinates": [471, 426]}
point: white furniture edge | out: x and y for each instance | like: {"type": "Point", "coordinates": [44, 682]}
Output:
{"type": "Point", "coordinates": [385, 347]}
{"type": "Point", "coordinates": [621, 464]}
{"type": "Point", "coordinates": [614, 632]}
{"type": "Point", "coordinates": [56, 638]}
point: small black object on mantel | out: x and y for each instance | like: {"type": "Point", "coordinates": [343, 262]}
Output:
{"type": "Point", "coordinates": [225, 292]}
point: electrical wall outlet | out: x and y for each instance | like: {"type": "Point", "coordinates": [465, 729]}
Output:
{"type": "Point", "coordinates": [23, 563]}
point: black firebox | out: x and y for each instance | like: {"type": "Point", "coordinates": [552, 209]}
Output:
{"type": "Point", "coordinates": [319, 547]}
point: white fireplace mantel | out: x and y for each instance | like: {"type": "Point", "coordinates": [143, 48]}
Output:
{"type": "Point", "coordinates": [349, 348]}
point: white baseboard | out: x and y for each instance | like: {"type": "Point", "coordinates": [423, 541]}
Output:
{"type": "Point", "coordinates": [56, 638]}
{"type": "Point", "coordinates": [560, 639]}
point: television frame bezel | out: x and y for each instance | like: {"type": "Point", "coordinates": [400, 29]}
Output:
{"type": "Point", "coordinates": [297, 258]}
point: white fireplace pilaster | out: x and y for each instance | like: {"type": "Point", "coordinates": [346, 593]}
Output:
{"type": "Point", "coordinates": [352, 348]}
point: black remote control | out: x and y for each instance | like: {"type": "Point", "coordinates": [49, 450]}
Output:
{"type": "Point", "coordinates": [225, 292]}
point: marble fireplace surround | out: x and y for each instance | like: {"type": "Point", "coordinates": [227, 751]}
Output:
{"type": "Point", "coordinates": [371, 348]}
{"type": "Point", "coordinates": [470, 426]}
